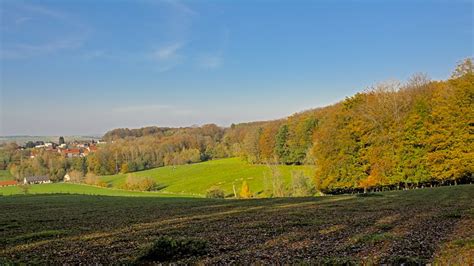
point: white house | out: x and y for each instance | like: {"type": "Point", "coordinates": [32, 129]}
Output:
{"type": "Point", "coordinates": [67, 177]}
{"type": "Point", "coordinates": [36, 180]}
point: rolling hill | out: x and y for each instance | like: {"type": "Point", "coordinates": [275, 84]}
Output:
{"type": "Point", "coordinates": [182, 180]}
{"type": "Point", "coordinates": [196, 179]}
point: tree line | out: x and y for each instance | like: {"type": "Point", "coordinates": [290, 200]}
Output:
{"type": "Point", "coordinates": [393, 135]}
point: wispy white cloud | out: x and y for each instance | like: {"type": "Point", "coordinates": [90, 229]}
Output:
{"type": "Point", "coordinates": [167, 52]}
{"type": "Point", "coordinates": [62, 38]}
{"type": "Point", "coordinates": [181, 7]}
{"type": "Point", "coordinates": [94, 54]}
{"type": "Point", "coordinates": [168, 56]}
{"type": "Point", "coordinates": [215, 59]}
{"type": "Point", "coordinates": [210, 61]}
{"type": "Point", "coordinates": [36, 9]}
{"type": "Point", "coordinates": [179, 19]}
{"type": "Point", "coordinates": [23, 50]}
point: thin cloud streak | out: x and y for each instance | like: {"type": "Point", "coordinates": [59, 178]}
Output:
{"type": "Point", "coordinates": [74, 38]}
{"type": "Point", "coordinates": [22, 51]}
{"type": "Point", "coordinates": [168, 57]}
{"type": "Point", "coordinates": [43, 11]}
{"type": "Point", "coordinates": [210, 61]}
{"type": "Point", "coordinates": [216, 59]}
{"type": "Point", "coordinates": [179, 6]}
{"type": "Point", "coordinates": [167, 52]}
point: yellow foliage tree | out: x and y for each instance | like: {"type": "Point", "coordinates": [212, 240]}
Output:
{"type": "Point", "coordinates": [245, 191]}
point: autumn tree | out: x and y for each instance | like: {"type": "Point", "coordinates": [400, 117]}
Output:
{"type": "Point", "coordinates": [251, 145]}
{"type": "Point", "coordinates": [451, 147]}
{"type": "Point", "coordinates": [267, 142]}
{"type": "Point", "coordinates": [245, 191]}
{"type": "Point", "coordinates": [465, 67]}
{"type": "Point", "coordinates": [281, 146]}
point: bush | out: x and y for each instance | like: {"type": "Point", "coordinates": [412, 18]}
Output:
{"type": "Point", "coordinates": [301, 185]}
{"type": "Point", "coordinates": [139, 183]}
{"type": "Point", "coordinates": [245, 191]}
{"type": "Point", "coordinates": [215, 193]}
{"type": "Point", "coordinates": [91, 179]}
{"type": "Point", "coordinates": [102, 183]}
{"type": "Point", "coordinates": [278, 185]}
{"type": "Point", "coordinates": [167, 249]}
{"type": "Point", "coordinates": [76, 176]}
{"type": "Point", "coordinates": [94, 180]}
{"type": "Point", "coordinates": [25, 188]}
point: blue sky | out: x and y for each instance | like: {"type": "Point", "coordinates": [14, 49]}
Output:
{"type": "Point", "coordinates": [84, 67]}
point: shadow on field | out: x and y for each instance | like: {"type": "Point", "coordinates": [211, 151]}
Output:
{"type": "Point", "coordinates": [397, 227]}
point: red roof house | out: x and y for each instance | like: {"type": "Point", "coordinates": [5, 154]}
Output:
{"type": "Point", "coordinates": [7, 183]}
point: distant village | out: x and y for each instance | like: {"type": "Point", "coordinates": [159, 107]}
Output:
{"type": "Point", "coordinates": [68, 150]}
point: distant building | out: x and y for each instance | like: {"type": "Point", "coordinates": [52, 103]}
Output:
{"type": "Point", "coordinates": [36, 180]}
{"type": "Point", "coordinates": [70, 153]}
{"type": "Point", "coordinates": [7, 183]}
{"type": "Point", "coordinates": [92, 148]}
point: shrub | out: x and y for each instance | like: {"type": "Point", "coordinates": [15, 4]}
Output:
{"type": "Point", "coordinates": [166, 249]}
{"type": "Point", "coordinates": [102, 183]}
{"type": "Point", "coordinates": [278, 185]}
{"type": "Point", "coordinates": [215, 193]}
{"type": "Point", "coordinates": [245, 191]}
{"type": "Point", "coordinates": [76, 176]}
{"type": "Point", "coordinates": [301, 185]}
{"type": "Point", "coordinates": [91, 179]}
{"type": "Point", "coordinates": [139, 183]}
{"type": "Point", "coordinates": [25, 188]}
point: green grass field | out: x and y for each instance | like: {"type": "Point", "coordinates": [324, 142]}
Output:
{"type": "Point", "coordinates": [81, 189]}
{"type": "Point", "coordinates": [182, 180]}
{"type": "Point", "coordinates": [411, 227]}
{"type": "Point", "coordinates": [5, 175]}
{"type": "Point", "coordinates": [196, 179]}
